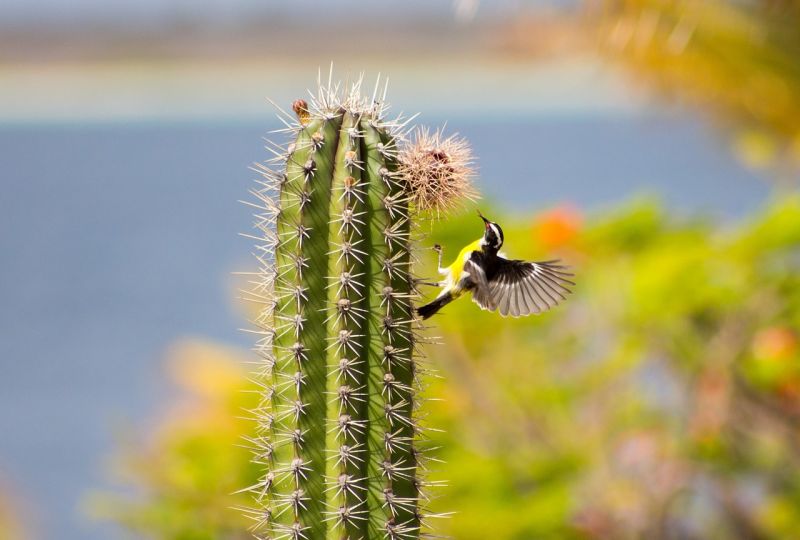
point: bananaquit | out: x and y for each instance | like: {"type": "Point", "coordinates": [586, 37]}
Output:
{"type": "Point", "coordinates": [512, 287]}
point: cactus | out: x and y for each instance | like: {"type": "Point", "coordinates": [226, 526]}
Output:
{"type": "Point", "coordinates": [336, 434]}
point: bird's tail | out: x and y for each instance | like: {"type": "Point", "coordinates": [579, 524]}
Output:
{"type": "Point", "coordinates": [429, 309]}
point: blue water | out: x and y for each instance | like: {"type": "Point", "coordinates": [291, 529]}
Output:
{"type": "Point", "coordinates": [117, 239]}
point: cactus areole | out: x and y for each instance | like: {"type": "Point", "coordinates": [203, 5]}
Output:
{"type": "Point", "coordinates": [336, 429]}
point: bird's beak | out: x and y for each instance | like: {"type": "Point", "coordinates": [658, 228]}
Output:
{"type": "Point", "coordinates": [485, 221]}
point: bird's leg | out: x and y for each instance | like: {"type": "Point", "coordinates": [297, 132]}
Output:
{"type": "Point", "coordinates": [438, 249]}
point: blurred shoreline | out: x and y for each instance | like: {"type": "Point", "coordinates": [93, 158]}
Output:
{"type": "Point", "coordinates": [437, 67]}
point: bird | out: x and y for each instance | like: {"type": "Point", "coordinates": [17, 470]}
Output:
{"type": "Point", "coordinates": [509, 286]}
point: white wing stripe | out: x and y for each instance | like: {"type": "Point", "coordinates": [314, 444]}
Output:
{"type": "Point", "coordinates": [544, 293]}
{"type": "Point", "coordinates": [541, 302]}
{"type": "Point", "coordinates": [521, 307]}
{"type": "Point", "coordinates": [506, 298]}
{"type": "Point", "coordinates": [549, 300]}
{"type": "Point", "coordinates": [530, 305]}
{"type": "Point", "coordinates": [553, 285]}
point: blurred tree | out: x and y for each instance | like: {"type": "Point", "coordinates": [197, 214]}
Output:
{"type": "Point", "coordinates": [182, 479]}
{"type": "Point", "coordinates": [644, 408]}
{"type": "Point", "coordinates": [738, 59]}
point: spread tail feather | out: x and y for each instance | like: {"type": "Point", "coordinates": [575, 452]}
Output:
{"type": "Point", "coordinates": [429, 309]}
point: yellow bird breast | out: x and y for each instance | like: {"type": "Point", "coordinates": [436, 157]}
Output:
{"type": "Point", "coordinates": [456, 269]}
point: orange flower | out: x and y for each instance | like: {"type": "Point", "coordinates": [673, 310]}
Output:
{"type": "Point", "coordinates": [789, 390]}
{"type": "Point", "coordinates": [558, 227]}
{"type": "Point", "coordinates": [774, 364]}
{"type": "Point", "coordinates": [775, 343]}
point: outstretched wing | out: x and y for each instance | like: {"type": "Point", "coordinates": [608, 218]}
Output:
{"type": "Point", "coordinates": [520, 288]}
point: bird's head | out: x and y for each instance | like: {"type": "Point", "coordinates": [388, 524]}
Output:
{"type": "Point", "coordinates": [492, 235]}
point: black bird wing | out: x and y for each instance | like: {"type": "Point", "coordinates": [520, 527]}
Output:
{"type": "Point", "coordinates": [519, 288]}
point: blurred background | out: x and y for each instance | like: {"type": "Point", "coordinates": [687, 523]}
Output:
{"type": "Point", "coordinates": [654, 145]}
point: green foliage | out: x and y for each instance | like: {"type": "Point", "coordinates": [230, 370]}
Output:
{"type": "Point", "coordinates": [661, 400]}
{"type": "Point", "coordinates": [738, 60]}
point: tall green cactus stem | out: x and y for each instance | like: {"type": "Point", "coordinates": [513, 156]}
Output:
{"type": "Point", "coordinates": [336, 432]}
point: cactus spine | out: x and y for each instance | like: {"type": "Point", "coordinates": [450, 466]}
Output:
{"type": "Point", "coordinates": [336, 433]}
